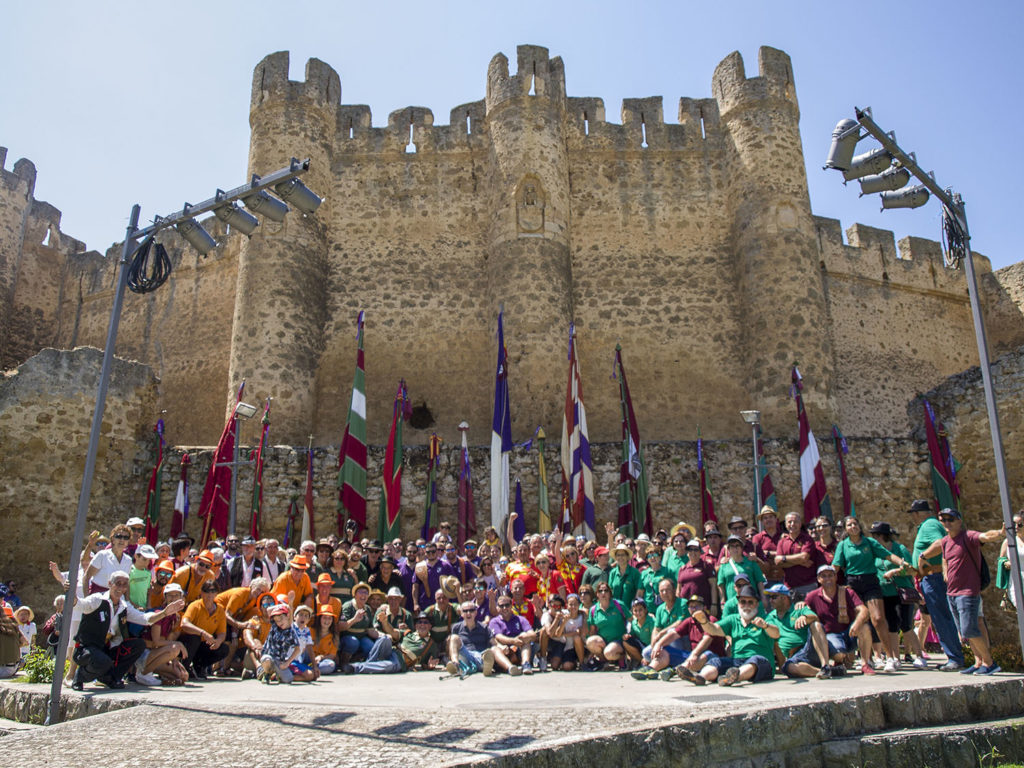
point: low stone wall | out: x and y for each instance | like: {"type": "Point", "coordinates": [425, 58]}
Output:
{"type": "Point", "coordinates": [850, 732]}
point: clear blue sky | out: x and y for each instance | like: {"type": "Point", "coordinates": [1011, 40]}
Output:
{"type": "Point", "coordinates": [117, 102]}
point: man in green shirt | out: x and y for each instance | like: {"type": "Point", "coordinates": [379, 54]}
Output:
{"type": "Point", "coordinates": [735, 564]}
{"type": "Point", "coordinates": [598, 572]}
{"type": "Point", "coordinates": [802, 641]}
{"type": "Point", "coordinates": [753, 644]}
{"type": "Point", "coordinates": [933, 586]}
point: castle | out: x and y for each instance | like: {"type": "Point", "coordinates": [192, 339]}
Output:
{"type": "Point", "coordinates": [692, 243]}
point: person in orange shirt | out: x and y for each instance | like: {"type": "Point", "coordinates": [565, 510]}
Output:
{"type": "Point", "coordinates": [162, 575]}
{"type": "Point", "coordinates": [294, 585]}
{"type": "Point", "coordinates": [191, 577]}
{"type": "Point", "coordinates": [203, 630]}
{"type": "Point", "coordinates": [239, 604]}
{"type": "Point", "coordinates": [255, 635]}
{"type": "Point", "coordinates": [323, 599]}
{"type": "Point", "coordinates": [325, 649]}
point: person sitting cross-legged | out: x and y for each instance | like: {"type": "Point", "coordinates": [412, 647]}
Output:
{"type": "Point", "coordinates": [514, 637]}
{"type": "Point", "coordinates": [753, 642]}
{"type": "Point", "coordinates": [696, 648]}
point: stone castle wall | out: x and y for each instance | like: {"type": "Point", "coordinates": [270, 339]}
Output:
{"type": "Point", "coordinates": [46, 409]}
{"type": "Point", "coordinates": [691, 243]}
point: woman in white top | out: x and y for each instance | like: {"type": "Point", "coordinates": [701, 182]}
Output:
{"type": "Point", "coordinates": [107, 561]}
{"type": "Point", "coordinates": [1004, 564]}
{"type": "Point", "coordinates": [27, 625]}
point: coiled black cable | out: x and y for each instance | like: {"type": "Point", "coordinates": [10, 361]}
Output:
{"type": "Point", "coordinates": [146, 273]}
{"type": "Point", "coordinates": [954, 239]}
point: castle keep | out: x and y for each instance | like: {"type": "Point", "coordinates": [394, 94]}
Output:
{"type": "Point", "coordinates": [690, 241]}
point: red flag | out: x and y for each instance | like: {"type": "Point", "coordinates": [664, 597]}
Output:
{"type": "Point", "coordinates": [256, 509]}
{"type": "Point", "coordinates": [215, 508]}
{"type": "Point", "coordinates": [308, 528]}
{"type": "Point", "coordinates": [155, 485]}
{"type": "Point", "coordinates": [707, 501]}
{"type": "Point", "coordinates": [812, 476]}
{"type": "Point", "coordinates": [180, 517]}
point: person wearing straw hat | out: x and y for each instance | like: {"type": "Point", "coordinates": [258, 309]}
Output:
{"type": "Point", "coordinates": [26, 619]}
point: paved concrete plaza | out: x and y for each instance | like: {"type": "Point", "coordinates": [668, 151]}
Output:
{"type": "Point", "coordinates": [411, 719]}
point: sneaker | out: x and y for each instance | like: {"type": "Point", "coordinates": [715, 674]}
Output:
{"type": "Point", "coordinates": [867, 669]}
{"type": "Point", "coordinates": [685, 673]}
{"type": "Point", "coordinates": [515, 671]}
{"type": "Point", "coordinates": [452, 668]}
{"type": "Point", "coordinates": [730, 677]}
{"type": "Point", "coordinates": [920, 663]}
{"type": "Point", "coordinates": [970, 670]}
{"type": "Point", "coordinates": [248, 674]}
{"type": "Point", "coordinates": [542, 665]}
{"type": "Point", "coordinates": [879, 663]}
{"type": "Point", "coordinates": [839, 670]}
{"type": "Point", "coordinates": [644, 673]}
{"type": "Point", "coordinates": [142, 678]}
{"type": "Point", "coordinates": [527, 669]}
{"type": "Point", "coordinates": [488, 661]}
{"type": "Point", "coordinates": [890, 666]}
{"type": "Point", "coordinates": [825, 673]}
{"type": "Point", "coordinates": [990, 670]}
{"type": "Point", "coordinates": [951, 666]}
{"type": "Point", "coordinates": [592, 664]}
{"type": "Point", "coordinates": [666, 674]}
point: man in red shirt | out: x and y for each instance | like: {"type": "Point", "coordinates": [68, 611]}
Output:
{"type": "Point", "coordinates": [766, 542]}
{"type": "Point", "coordinates": [797, 556]}
{"type": "Point", "coordinates": [843, 617]}
{"type": "Point", "coordinates": [961, 549]}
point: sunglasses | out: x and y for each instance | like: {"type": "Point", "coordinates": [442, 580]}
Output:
{"type": "Point", "coordinates": [504, 605]}
{"type": "Point", "coordinates": [261, 549]}
{"type": "Point", "coordinates": [122, 536]}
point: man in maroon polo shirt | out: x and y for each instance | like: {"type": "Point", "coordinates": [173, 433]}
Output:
{"type": "Point", "coordinates": [797, 556]}
{"type": "Point", "coordinates": [843, 617]}
{"type": "Point", "coordinates": [766, 542]}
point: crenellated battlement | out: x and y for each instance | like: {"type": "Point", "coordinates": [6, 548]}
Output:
{"type": "Point", "coordinates": [321, 87]}
{"type": "Point", "coordinates": [733, 89]}
{"type": "Point", "coordinates": [24, 172]}
{"type": "Point", "coordinates": [872, 255]}
{"type": "Point", "coordinates": [536, 75]}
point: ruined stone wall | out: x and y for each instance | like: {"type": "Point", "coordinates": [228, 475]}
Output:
{"type": "Point", "coordinates": [1003, 293]}
{"type": "Point", "coordinates": [46, 408]}
{"type": "Point", "coordinates": [900, 322]}
{"type": "Point", "coordinates": [959, 403]}
{"type": "Point", "coordinates": [182, 330]}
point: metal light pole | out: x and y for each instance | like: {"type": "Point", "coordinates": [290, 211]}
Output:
{"type": "Point", "coordinates": [285, 183]}
{"type": "Point", "coordinates": [242, 411]}
{"type": "Point", "coordinates": [753, 418]}
{"type": "Point", "coordinates": [955, 215]}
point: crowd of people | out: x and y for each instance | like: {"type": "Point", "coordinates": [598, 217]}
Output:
{"type": "Point", "coordinates": [766, 597]}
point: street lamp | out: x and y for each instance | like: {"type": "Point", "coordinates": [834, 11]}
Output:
{"type": "Point", "coordinates": [134, 260]}
{"type": "Point", "coordinates": [753, 418]}
{"type": "Point", "coordinates": [954, 222]}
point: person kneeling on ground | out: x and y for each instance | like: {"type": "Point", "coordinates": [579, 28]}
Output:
{"type": "Point", "coordinates": [204, 628]}
{"type": "Point", "coordinates": [103, 649]}
{"type": "Point", "coordinates": [753, 645]}
{"type": "Point", "coordinates": [802, 646]}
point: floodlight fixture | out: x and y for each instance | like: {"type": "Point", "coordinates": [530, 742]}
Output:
{"type": "Point", "coordinates": [236, 218]}
{"type": "Point", "coordinates": [909, 197]}
{"type": "Point", "coordinates": [874, 161]}
{"type": "Point", "coordinates": [294, 192]}
{"type": "Point", "coordinates": [751, 417]}
{"type": "Point", "coordinates": [893, 177]}
{"type": "Point", "coordinates": [844, 141]}
{"type": "Point", "coordinates": [244, 410]}
{"type": "Point", "coordinates": [195, 235]}
{"type": "Point", "coordinates": [266, 205]}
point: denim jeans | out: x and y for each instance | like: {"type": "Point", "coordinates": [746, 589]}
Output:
{"type": "Point", "coordinates": [933, 587]}
{"type": "Point", "coordinates": [380, 660]}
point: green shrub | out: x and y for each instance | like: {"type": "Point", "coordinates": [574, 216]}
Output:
{"type": "Point", "coordinates": [1005, 655]}
{"type": "Point", "coordinates": [38, 666]}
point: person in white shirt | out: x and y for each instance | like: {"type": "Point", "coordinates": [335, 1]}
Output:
{"type": "Point", "coordinates": [107, 561]}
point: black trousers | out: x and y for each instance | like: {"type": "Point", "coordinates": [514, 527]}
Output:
{"type": "Point", "coordinates": [199, 653]}
{"type": "Point", "coordinates": [108, 664]}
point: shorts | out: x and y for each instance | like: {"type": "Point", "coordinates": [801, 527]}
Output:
{"type": "Point", "coordinates": [866, 586]}
{"type": "Point", "coordinates": [569, 655]}
{"type": "Point", "coordinates": [765, 669]}
{"type": "Point", "coordinates": [840, 642]}
{"type": "Point", "coordinates": [285, 674]}
{"type": "Point", "coordinates": [556, 649]}
{"type": "Point", "coordinates": [899, 616]}
{"type": "Point", "coordinates": [676, 656]}
{"type": "Point", "coordinates": [965, 610]}
{"type": "Point", "coordinates": [472, 659]}
{"type": "Point", "coordinates": [634, 642]}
